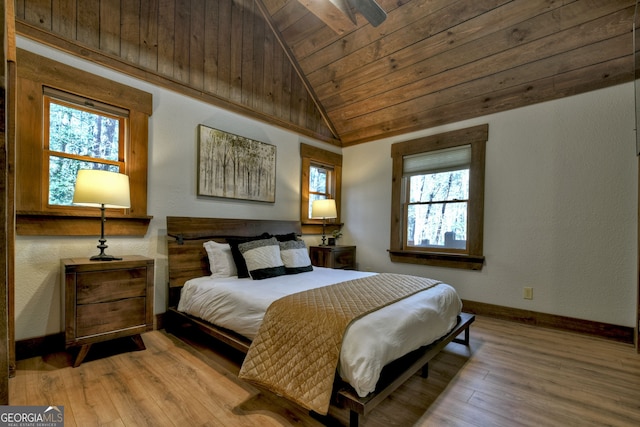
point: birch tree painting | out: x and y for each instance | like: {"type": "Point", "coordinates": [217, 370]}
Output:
{"type": "Point", "coordinates": [235, 167]}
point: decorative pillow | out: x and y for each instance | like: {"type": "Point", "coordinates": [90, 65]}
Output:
{"type": "Point", "coordinates": [241, 265]}
{"type": "Point", "coordinates": [221, 261]}
{"type": "Point", "coordinates": [295, 256]}
{"type": "Point", "coordinates": [262, 258]}
{"type": "Point", "coordinates": [285, 237]}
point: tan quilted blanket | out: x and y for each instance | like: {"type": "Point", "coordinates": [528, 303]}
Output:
{"type": "Point", "coordinates": [297, 349]}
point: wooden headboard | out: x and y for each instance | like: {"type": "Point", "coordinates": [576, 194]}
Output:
{"type": "Point", "coordinates": [186, 236]}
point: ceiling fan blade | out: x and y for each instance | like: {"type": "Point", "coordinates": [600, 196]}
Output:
{"type": "Point", "coordinates": [370, 10]}
{"type": "Point", "coordinates": [348, 10]}
{"type": "Point", "coordinates": [337, 14]}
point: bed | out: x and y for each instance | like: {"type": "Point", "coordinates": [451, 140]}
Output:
{"type": "Point", "coordinates": [358, 384]}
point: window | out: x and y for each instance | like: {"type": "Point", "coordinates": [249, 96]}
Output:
{"type": "Point", "coordinates": [321, 179]}
{"type": "Point", "coordinates": [80, 134]}
{"type": "Point", "coordinates": [66, 119]}
{"type": "Point", "coordinates": [438, 199]}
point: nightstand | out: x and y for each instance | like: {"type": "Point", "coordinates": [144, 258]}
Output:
{"type": "Point", "coordinates": [106, 300]}
{"type": "Point", "coordinates": [343, 257]}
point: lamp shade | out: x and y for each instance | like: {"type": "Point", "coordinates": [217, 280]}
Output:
{"type": "Point", "coordinates": [99, 187]}
{"type": "Point", "coordinates": [324, 208]}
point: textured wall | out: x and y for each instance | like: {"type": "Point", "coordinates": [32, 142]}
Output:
{"type": "Point", "coordinates": [560, 208]}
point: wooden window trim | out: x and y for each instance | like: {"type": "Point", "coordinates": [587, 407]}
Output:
{"type": "Point", "coordinates": [310, 155]}
{"type": "Point", "coordinates": [472, 260]}
{"type": "Point", "coordinates": [33, 215]}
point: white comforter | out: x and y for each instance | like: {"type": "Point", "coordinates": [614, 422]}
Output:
{"type": "Point", "coordinates": [369, 343]}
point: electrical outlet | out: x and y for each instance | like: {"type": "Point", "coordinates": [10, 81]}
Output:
{"type": "Point", "coordinates": [527, 293]}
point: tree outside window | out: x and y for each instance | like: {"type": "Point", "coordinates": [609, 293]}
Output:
{"type": "Point", "coordinates": [320, 179]}
{"type": "Point", "coordinates": [79, 138]}
{"type": "Point", "coordinates": [437, 184]}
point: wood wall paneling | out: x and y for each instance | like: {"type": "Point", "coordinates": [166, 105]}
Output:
{"type": "Point", "coordinates": [166, 45]}
{"type": "Point", "coordinates": [181, 64]}
{"type": "Point", "coordinates": [256, 86]}
{"type": "Point", "coordinates": [4, 212]}
{"type": "Point", "coordinates": [110, 28]}
{"type": "Point", "coordinates": [88, 21]}
{"type": "Point", "coordinates": [149, 20]}
{"type": "Point", "coordinates": [220, 51]}
{"type": "Point", "coordinates": [414, 71]}
{"type": "Point", "coordinates": [211, 31]}
{"type": "Point", "coordinates": [7, 197]}
{"type": "Point", "coordinates": [130, 24]}
{"type": "Point", "coordinates": [224, 49]}
{"type": "Point", "coordinates": [63, 18]}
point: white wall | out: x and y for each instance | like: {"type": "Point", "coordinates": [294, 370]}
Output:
{"type": "Point", "coordinates": [560, 208]}
{"type": "Point", "coordinates": [560, 205]}
{"type": "Point", "coordinates": [171, 192]}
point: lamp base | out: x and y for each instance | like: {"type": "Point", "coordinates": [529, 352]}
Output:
{"type": "Point", "coordinates": [102, 246]}
{"type": "Point", "coordinates": [104, 257]}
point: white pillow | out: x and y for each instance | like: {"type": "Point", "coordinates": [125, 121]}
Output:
{"type": "Point", "coordinates": [262, 258]}
{"type": "Point", "coordinates": [295, 256]}
{"type": "Point", "coordinates": [221, 261]}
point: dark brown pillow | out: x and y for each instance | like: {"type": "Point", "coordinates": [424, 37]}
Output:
{"type": "Point", "coordinates": [241, 264]}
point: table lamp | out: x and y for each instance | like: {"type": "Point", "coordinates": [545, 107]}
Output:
{"type": "Point", "coordinates": [324, 208]}
{"type": "Point", "coordinates": [103, 189]}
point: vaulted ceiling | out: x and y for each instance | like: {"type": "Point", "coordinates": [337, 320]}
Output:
{"type": "Point", "coordinates": [299, 65]}
{"type": "Point", "coordinates": [436, 61]}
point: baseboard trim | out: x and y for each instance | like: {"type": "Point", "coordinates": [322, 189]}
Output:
{"type": "Point", "coordinates": [39, 346]}
{"type": "Point", "coordinates": [603, 330]}
{"type": "Point", "coordinates": [160, 320]}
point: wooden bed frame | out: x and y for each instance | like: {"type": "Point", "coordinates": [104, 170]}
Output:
{"type": "Point", "coordinates": [188, 259]}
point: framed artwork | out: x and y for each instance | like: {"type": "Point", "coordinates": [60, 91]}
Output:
{"type": "Point", "coordinates": [235, 167]}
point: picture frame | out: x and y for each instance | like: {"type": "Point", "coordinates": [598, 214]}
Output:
{"type": "Point", "coordinates": [235, 167]}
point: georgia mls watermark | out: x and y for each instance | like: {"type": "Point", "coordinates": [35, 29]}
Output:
{"type": "Point", "coordinates": [31, 416]}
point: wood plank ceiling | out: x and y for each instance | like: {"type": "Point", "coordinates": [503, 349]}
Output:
{"type": "Point", "coordinates": [430, 62]}
{"type": "Point", "coordinates": [437, 61]}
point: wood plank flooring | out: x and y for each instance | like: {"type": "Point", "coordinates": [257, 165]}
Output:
{"type": "Point", "coordinates": [512, 375]}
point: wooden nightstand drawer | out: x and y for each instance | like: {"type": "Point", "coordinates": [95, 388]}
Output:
{"type": "Point", "coordinates": [92, 319]}
{"type": "Point", "coordinates": [343, 257]}
{"type": "Point", "coordinates": [113, 285]}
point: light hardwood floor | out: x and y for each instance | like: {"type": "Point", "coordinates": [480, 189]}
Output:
{"type": "Point", "coordinates": [512, 375]}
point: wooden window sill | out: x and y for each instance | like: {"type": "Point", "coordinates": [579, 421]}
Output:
{"type": "Point", "coordinates": [316, 228]}
{"type": "Point", "coordinates": [467, 262]}
{"type": "Point", "coordinates": [52, 224]}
